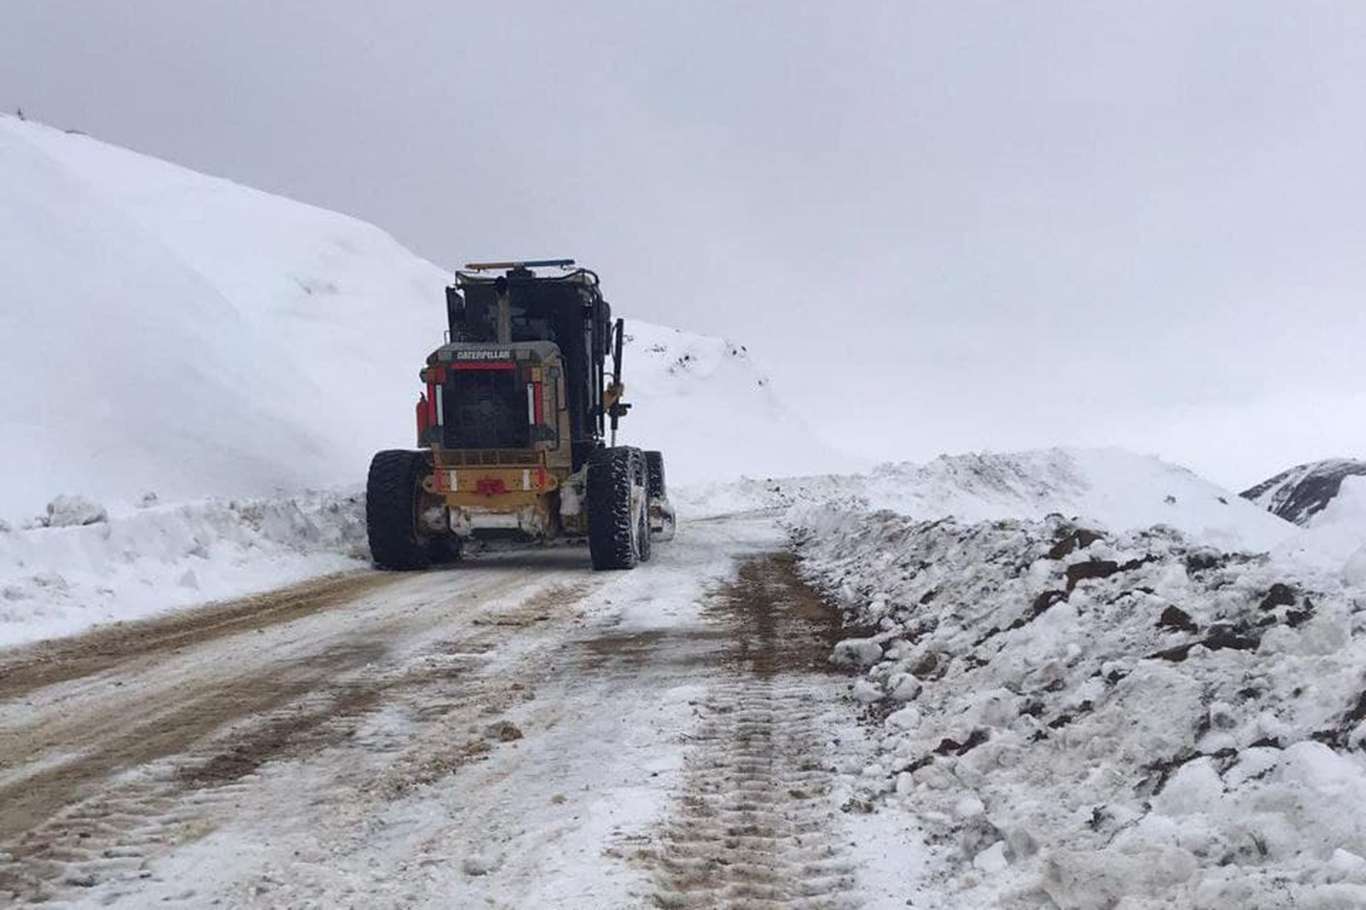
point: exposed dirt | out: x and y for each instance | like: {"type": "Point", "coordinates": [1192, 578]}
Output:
{"type": "Point", "coordinates": [165, 723]}
{"type": "Point", "coordinates": [46, 663]}
{"type": "Point", "coordinates": [754, 826]}
{"type": "Point", "coordinates": [278, 736]}
{"type": "Point", "coordinates": [776, 622]}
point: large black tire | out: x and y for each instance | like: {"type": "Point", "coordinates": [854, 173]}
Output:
{"type": "Point", "coordinates": [441, 550]}
{"type": "Point", "coordinates": [654, 465]}
{"type": "Point", "coordinates": [391, 504]}
{"type": "Point", "coordinates": [614, 513]}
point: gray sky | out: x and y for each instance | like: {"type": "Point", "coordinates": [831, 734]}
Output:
{"type": "Point", "coordinates": [941, 226]}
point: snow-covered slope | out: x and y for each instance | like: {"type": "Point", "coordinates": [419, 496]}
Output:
{"type": "Point", "coordinates": [712, 409]}
{"type": "Point", "coordinates": [165, 330]}
{"type": "Point", "coordinates": [174, 332]}
{"type": "Point", "coordinates": [1112, 488]}
{"type": "Point", "coordinates": [1304, 491]}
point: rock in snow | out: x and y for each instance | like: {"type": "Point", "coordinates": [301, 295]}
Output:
{"type": "Point", "coordinates": [856, 652]}
{"type": "Point", "coordinates": [992, 859]}
{"type": "Point", "coordinates": [74, 511]}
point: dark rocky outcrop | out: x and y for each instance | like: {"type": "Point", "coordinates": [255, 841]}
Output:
{"type": "Point", "coordinates": [1305, 490]}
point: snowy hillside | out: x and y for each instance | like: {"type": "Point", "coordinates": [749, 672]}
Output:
{"type": "Point", "coordinates": [712, 409]}
{"type": "Point", "coordinates": [1111, 488]}
{"type": "Point", "coordinates": [173, 332]}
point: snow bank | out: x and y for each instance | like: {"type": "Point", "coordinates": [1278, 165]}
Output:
{"type": "Point", "coordinates": [712, 409]}
{"type": "Point", "coordinates": [1112, 488]}
{"type": "Point", "coordinates": [1328, 499]}
{"type": "Point", "coordinates": [1335, 539]}
{"type": "Point", "coordinates": [61, 580]}
{"type": "Point", "coordinates": [173, 331]}
{"type": "Point", "coordinates": [1106, 720]}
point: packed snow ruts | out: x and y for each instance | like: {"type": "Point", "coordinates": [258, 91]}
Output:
{"type": "Point", "coordinates": [756, 823]}
{"type": "Point", "coordinates": [1087, 717]}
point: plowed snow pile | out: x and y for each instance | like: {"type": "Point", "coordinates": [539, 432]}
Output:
{"type": "Point", "coordinates": [1081, 719]}
{"type": "Point", "coordinates": [61, 580]}
{"type": "Point", "coordinates": [1336, 536]}
{"type": "Point", "coordinates": [1114, 488]}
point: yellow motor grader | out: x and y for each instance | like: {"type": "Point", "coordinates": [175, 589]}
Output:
{"type": "Point", "coordinates": [516, 429]}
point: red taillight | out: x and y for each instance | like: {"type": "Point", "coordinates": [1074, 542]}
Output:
{"type": "Point", "coordinates": [424, 418]}
{"type": "Point", "coordinates": [490, 486]}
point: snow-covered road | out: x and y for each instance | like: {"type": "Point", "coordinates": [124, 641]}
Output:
{"type": "Point", "coordinates": [514, 732]}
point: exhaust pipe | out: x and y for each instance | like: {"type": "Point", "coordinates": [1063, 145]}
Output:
{"type": "Point", "coordinates": [500, 290]}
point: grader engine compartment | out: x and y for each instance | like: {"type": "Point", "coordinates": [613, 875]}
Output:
{"type": "Point", "coordinates": [492, 398]}
{"type": "Point", "coordinates": [516, 429]}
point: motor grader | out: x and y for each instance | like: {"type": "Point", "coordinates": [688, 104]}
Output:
{"type": "Point", "coordinates": [516, 429]}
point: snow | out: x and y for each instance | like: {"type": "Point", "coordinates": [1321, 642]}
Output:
{"type": "Point", "coordinates": [172, 331]}
{"type": "Point", "coordinates": [1328, 499]}
{"type": "Point", "coordinates": [712, 410]}
{"type": "Point", "coordinates": [1336, 536]}
{"type": "Point", "coordinates": [612, 690]}
{"type": "Point", "coordinates": [61, 580]}
{"type": "Point", "coordinates": [181, 333]}
{"type": "Point", "coordinates": [1092, 677]}
{"type": "Point", "coordinates": [1128, 719]}
{"type": "Point", "coordinates": [71, 511]}
{"type": "Point", "coordinates": [1110, 487]}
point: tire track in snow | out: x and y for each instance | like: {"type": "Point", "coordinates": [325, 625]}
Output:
{"type": "Point", "coordinates": [111, 647]}
{"type": "Point", "coordinates": [110, 797]}
{"type": "Point", "coordinates": [754, 827]}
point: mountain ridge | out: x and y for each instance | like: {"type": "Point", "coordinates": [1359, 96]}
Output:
{"type": "Point", "coordinates": [1301, 493]}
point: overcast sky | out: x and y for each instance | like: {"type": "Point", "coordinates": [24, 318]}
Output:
{"type": "Point", "coordinates": [941, 226]}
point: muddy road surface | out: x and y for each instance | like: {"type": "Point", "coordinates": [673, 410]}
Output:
{"type": "Point", "coordinates": [514, 731]}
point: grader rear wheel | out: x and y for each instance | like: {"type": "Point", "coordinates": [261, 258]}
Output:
{"type": "Point", "coordinates": [618, 524]}
{"type": "Point", "coordinates": [392, 500]}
